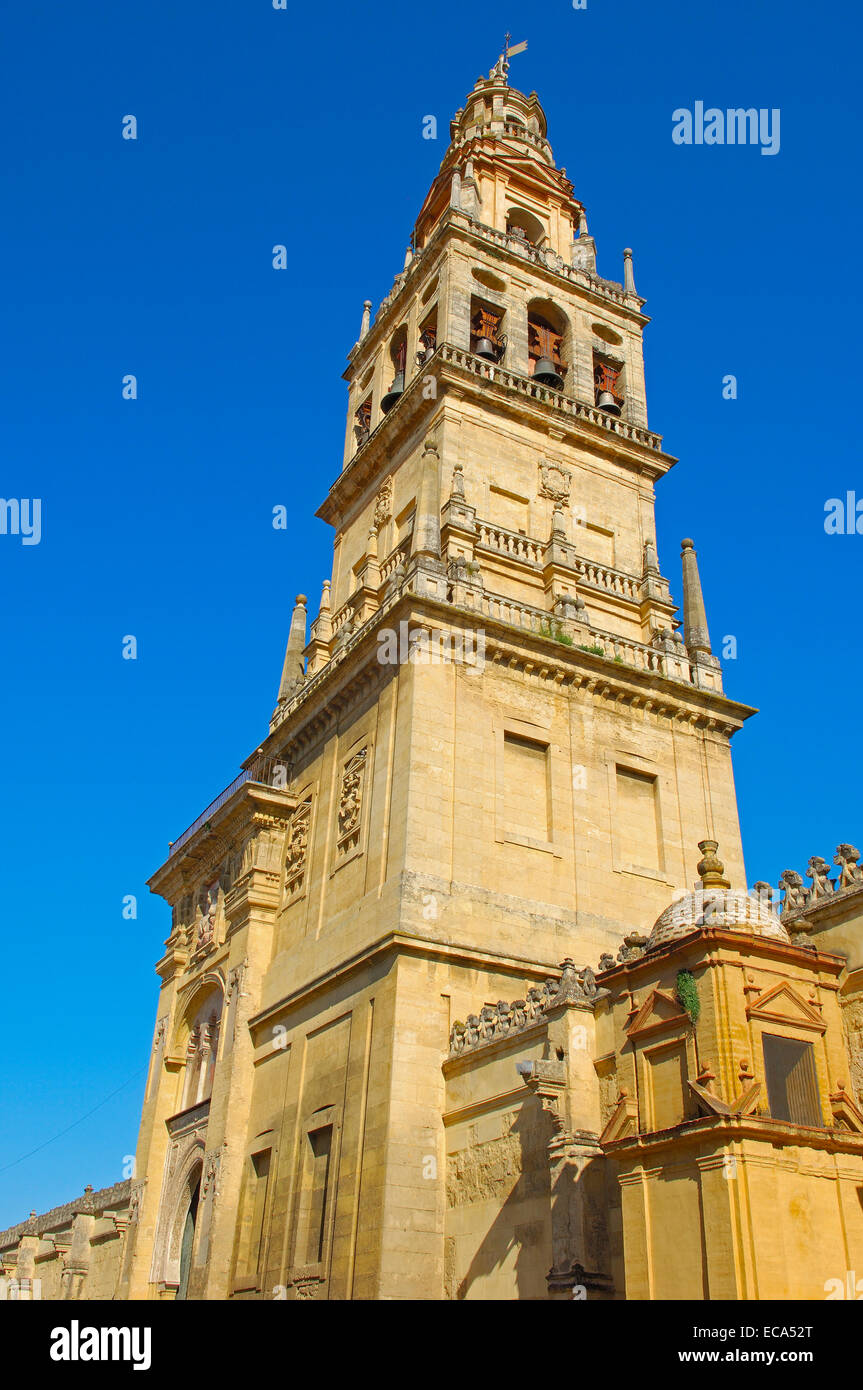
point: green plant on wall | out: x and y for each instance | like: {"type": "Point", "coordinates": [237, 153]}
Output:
{"type": "Point", "coordinates": [687, 994]}
{"type": "Point", "coordinates": [556, 632]}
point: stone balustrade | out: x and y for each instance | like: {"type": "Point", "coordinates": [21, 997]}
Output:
{"type": "Point", "coordinates": [526, 386]}
{"type": "Point", "coordinates": [510, 543]}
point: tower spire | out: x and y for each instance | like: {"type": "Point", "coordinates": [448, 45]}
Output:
{"type": "Point", "coordinates": [293, 671]}
{"type": "Point", "coordinates": [695, 633]}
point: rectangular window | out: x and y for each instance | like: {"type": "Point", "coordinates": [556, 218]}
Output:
{"type": "Point", "coordinates": [637, 819]}
{"type": "Point", "coordinates": [666, 1074]}
{"type": "Point", "coordinates": [254, 1212]}
{"type": "Point", "coordinates": [792, 1086]}
{"type": "Point", "coordinates": [317, 1193]}
{"type": "Point", "coordinates": [526, 788]}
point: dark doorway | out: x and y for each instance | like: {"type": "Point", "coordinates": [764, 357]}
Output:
{"type": "Point", "coordinates": [188, 1241]}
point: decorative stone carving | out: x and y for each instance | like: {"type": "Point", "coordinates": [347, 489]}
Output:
{"type": "Point", "coordinates": [234, 981]}
{"type": "Point", "coordinates": [632, 948]}
{"type": "Point", "coordinates": [499, 1020]}
{"type": "Point", "coordinates": [796, 895]}
{"type": "Point", "coordinates": [298, 848]}
{"type": "Point", "coordinates": [209, 1181]}
{"type": "Point", "coordinates": [819, 871]}
{"type": "Point", "coordinates": [555, 482]}
{"type": "Point", "coordinates": [206, 929]}
{"type": "Point", "coordinates": [350, 802]}
{"type": "Point", "coordinates": [383, 504]}
{"type": "Point", "coordinates": [850, 873]}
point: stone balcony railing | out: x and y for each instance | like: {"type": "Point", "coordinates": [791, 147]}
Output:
{"type": "Point", "coordinates": [512, 544]}
{"type": "Point", "coordinates": [266, 771]}
{"type": "Point", "coordinates": [533, 390]}
{"type": "Point", "coordinates": [672, 663]}
{"type": "Point", "coordinates": [544, 256]}
{"type": "Point", "coordinates": [591, 574]}
{"type": "Point", "coordinates": [551, 260]}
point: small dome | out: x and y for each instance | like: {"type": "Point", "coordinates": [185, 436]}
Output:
{"type": "Point", "coordinates": [716, 907]}
{"type": "Point", "coordinates": [715, 904]}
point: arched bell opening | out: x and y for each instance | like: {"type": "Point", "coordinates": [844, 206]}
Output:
{"type": "Point", "coordinates": [548, 344]}
{"type": "Point", "coordinates": [526, 226]}
{"type": "Point", "coordinates": [398, 355]}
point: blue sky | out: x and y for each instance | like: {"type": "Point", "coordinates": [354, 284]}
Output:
{"type": "Point", "coordinates": [153, 257]}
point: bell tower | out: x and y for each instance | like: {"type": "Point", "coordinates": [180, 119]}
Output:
{"type": "Point", "coordinates": [496, 748]}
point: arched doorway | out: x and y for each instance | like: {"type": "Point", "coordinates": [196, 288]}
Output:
{"type": "Point", "coordinates": [187, 1240]}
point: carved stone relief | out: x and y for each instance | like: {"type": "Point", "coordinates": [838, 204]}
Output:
{"type": "Point", "coordinates": [555, 481]}
{"type": "Point", "coordinates": [298, 848]}
{"type": "Point", "coordinates": [350, 803]}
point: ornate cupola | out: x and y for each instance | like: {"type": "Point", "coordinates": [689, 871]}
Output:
{"type": "Point", "coordinates": [500, 170]}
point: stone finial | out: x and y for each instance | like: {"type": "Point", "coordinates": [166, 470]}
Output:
{"type": "Point", "coordinates": [455, 190]}
{"type": "Point", "coordinates": [457, 481]}
{"type": "Point", "coordinates": [628, 273]}
{"type": "Point", "coordinates": [711, 869]}
{"type": "Point", "coordinates": [426, 539]}
{"type": "Point", "coordinates": [570, 989]}
{"type": "Point", "coordinates": [294, 671]}
{"type": "Point", "coordinates": [695, 631]}
{"type": "Point", "coordinates": [558, 523]}
{"type": "Point", "coordinates": [651, 564]}
{"type": "Point", "coordinates": [367, 312]}
{"type": "Point", "coordinates": [409, 255]}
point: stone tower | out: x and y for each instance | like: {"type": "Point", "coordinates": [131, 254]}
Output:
{"type": "Point", "coordinates": [495, 748]}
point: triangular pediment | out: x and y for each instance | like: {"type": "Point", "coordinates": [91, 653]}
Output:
{"type": "Point", "coordinates": [623, 1122]}
{"type": "Point", "coordinates": [660, 1011]}
{"type": "Point", "coordinates": [782, 1004]}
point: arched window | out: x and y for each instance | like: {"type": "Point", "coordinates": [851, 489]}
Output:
{"type": "Point", "coordinates": [523, 224]}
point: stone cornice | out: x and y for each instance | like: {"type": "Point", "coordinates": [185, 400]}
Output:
{"type": "Point", "coordinates": [696, 949]}
{"type": "Point", "coordinates": [724, 1129]}
{"type": "Point", "coordinates": [333, 689]}
{"type": "Point", "coordinates": [251, 802]}
{"type": "Point", "coordinates": [389, 947]}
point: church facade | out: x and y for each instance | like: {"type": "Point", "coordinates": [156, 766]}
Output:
{"type": "Point", "coordinates": [464, 994]}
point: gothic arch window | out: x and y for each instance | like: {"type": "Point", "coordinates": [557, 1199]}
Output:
{"type": "Point", "coordinates": [201, 1027]}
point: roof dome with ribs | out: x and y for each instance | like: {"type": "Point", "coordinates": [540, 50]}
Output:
{"type": "Point", "coordinates": [715, 904]}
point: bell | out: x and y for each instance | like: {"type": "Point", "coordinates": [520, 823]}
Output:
{"type": "Point", "coordinates": [486, 348]}
{"type": "Point", "coordinates": [547, 374]}
{"type": "Point", "coordinates": [396, 390]}
{"type": "Point", "coordinates": [607, 402]}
